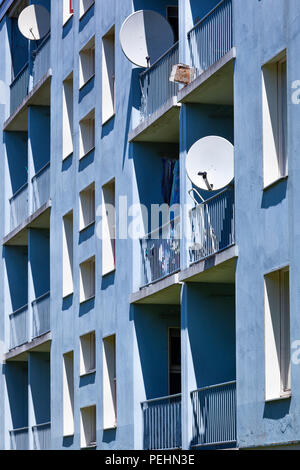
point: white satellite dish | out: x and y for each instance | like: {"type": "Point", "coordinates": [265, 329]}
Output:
{"type": "Point", "coordinates": [210, 163]}
{"type": "Point", "coordinates": [145, 35]}
{"type": "Point", "coordinates": [34, 22]}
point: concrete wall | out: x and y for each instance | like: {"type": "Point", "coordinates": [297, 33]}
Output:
{"type": "Point", "coordinates": [267, 222]}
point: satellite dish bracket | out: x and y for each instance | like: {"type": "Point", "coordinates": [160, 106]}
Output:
{"type": "Point", "coordinates": [210, 187]}
{"type": "Point", "coordinates": [191, 194]}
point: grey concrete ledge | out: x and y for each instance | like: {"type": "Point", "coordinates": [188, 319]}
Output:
{"type": "Point", "coordinates": [154, 292]}
{"type": "Point", "coordinates": [26, 223]}
{"type": "Point", "coordinates": [27, 100]}
{"type": "Point", "coordinates": [194, 272]}
{"type": "Point", "coordinates": [216, 67]}
{"type": "Point", "coordinates": [27, 347]}
{"type": "Point", "coordinates": [149, 121]}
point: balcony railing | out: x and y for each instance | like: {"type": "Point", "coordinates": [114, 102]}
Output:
{"type": "Point", "coordinates": [41, 62]}
{"type": "Point", "coordinates": [157, 90]}
{"type": "Point", "coordinates": [19, 88]}
{"type": "Point", "coordinates": [214, 415]}
{"type": "Point", "coordinates": [19, 327]}
{"type": "Point", "coordinates": [160, 253]}
{"type": "Point", "coordinates": [19, 206]}
{"type": "Point", "coordinates": [19, 439]}
{"type": "Point", "coordinates": [41, 187]}
{"type": "Point", "coordinates": [212, 225]}
{"type": "Point", "coordinates": [42, 436]}
{"type": "Point", "coordinates": [211, 38]}
{"type": "Point", "coordinates": [162, 423]}
{"type": "Point", "coordinates": [41, 315]}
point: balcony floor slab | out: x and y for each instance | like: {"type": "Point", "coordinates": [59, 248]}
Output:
{"type": "Point", "coordinates": [214, 86]}
{"type": "Point", "coordinates": [164, 292]}
{"type": "Point", "coordinates": [219, 268]}
{"type": "Point", "coordinates": [39, 219]}
{"type": "Point", "coordinates": [161, 126]}
{"type": "Point", "coordinates": [40, 344]}
{"type": "Point", "coordinates": [38, 96]}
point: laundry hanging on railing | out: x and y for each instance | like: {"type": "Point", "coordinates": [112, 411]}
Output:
{"type": "Point", "coordinates": [170, 181]}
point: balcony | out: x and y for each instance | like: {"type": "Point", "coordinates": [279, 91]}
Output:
{"type": "Point", "coordinates": [30, 87]}
{"type": "Point", "coordinates": [162, 423]}
{"type": "Point", "coordinates": [159, 113]}
{"type": "Point", "coordinates": [18, 206]}
{"type": "Point", "coordinates": [42, 436]}
{"type": "Point", "coordinates": [214, 416]}
{"type": "Point", "coordinates": [157, 90]}
{"type": "Point", "coordinates": [211, 38]}
{"type": "Point", "coordinates": [41, 62]}
{"type": "Point", "coordinates": [19, 327]}
{"type": "Point", "coordinates": [41, 187]}
{"type": "Point", "coordinates": [41, 315]}
{"type": "Point", "coordinates": [19, 88]}
{"type": "Point", "coordinates": [211, 55]}
{"type": "Point", "coordinates": [19, 439]}
{"type": "Point", "coordinates": [212, 226]}
{"type": "Point", "coordinates": [160, 252]}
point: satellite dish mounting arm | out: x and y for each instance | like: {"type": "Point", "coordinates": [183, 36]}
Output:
{"type": "Point", "coordinates": [204, 176]}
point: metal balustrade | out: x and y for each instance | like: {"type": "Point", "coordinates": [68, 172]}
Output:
{"type": "Point", "coordinates": [160, 251]}
{"type": "Point", "coordinates": [19, 327]}
{"type": "Point", "coordinates": [162, 423]}
{"type": "Point", "coordinates": [19, 206]}
{"type": "Point", "coordinates": [156, 87]}
{"type": "Point", "coordinates": [42, 436]}
{"type": "Point", "coordinates": [19, 439]}
{"type": "Point", "coordinates": [212, 225]}
{"type": "Point", "coordinates": [214, 415]}
{"type": "Point", "coordinates": [41, 315]}
{"type": "Point", "coordinates": [211, 38]}
{"type": "Point", "coordinates": [41, 62]}
{"type": "Point", "coordinates": [19, 88]}
{"type": "Point", "coordinates": [41, 187]}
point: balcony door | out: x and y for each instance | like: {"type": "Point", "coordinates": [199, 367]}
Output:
{"type": "Point", "coordinates": [174, 361]}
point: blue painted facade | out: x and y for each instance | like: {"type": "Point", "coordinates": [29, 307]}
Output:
{"type": "Point", "coordinates": [217, 303]}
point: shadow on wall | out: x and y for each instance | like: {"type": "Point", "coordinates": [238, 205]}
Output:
{"type": "Point", "coordinates": [274, 195]}
{"type": "Point", "coordinates": [150, 163]}
{"type": "Point", "coordinates": [86, 17]}
{"type": "Point", "coordinates": [108, 280]}
{"type": "Point", "coordinates": [277, 409]}
{"type": "Point", "coordinates": [153, 346]}
{"type": "Point", "coordinates": [211, 327]}
{"type": "Point", "coordinates": [133, 105]}
{"type": "Point", "coordinates": [109, 435]}
{"type": "Point", "coordinates": [16, 375]}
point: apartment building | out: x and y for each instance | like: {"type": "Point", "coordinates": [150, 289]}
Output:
{"type": "Point", "coordinates": [111, 341]}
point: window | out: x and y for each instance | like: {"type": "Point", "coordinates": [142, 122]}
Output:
{"type": "Point", "coordinates": [87, 279]}
{"type": "Point", "coordinates": [174, 361]}
{"type": "Point", "coordinates": [87, 63]}
{"type": "Point", "coordinates": [68, 393]}
{"type": "Point", "coordinates": [68, 254]}
{"type": "Point", "coordinates": [172, 17]}
{"type": "Point", "coordinates": [88, 427]}
{"type": "Point", "coordinates": [87, 134]}
{"type": "Point", "coordinates": [87, 353]}
{"type": "Point", "coordinates": [277, 334]}
{"type": "Point", "coordinates": [67, 10]}
{"type": "Point", "coordinates": [109, 383]}
{"type": "Point", "coordinates": [87, 207]}
{"type": "Point", "coordinates": [84, 5]}
{"type": "Point", "coordinates": [108, 75]}
{"type": "Point", "coordinates": [108, 228]}
{"type": "Point", "coordinates": [68, 116]}
{"type": "Point", "coordinates": [275, 151]}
